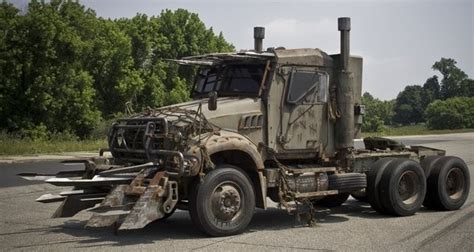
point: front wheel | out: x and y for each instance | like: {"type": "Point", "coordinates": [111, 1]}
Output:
{"type": "Point", "coordinates": [223, 203]}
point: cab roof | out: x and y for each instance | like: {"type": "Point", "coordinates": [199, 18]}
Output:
{"type": "Point", "coordinates": [304, 56]}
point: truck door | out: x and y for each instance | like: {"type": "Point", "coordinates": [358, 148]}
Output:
{"type": "Point", "coordinates": [303, 114]}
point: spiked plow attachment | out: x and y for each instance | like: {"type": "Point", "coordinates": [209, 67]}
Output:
{"type": "Point", "coordinates": [125, 197]}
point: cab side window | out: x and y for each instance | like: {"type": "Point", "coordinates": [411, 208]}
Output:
{"type": "Point", "coordinates": [307, 87]}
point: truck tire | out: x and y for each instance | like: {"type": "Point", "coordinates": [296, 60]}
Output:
{"type": "Point", "coordinates": [223, 203]}
{"type": "Point", "coordinates": [347, 182]}
{"type": "Point", "coordinates": [373, 184]}
{"type": "Point", "coordinates": [427, 164]}
{"type": "Point", "coordinates": [402, 187]}
{"type": "Point", "coordinates": [448, 184]}
{"type": "Point", "coordinates": [332, 200]}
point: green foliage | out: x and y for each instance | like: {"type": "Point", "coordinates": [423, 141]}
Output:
{"type": "Point", "coordinates": [412, 102]}
{"type": "Point", "coordinates": [43, 79]}
{"type": "Point", "coordinates": [453, 78]}
{"type": "Point", "coordinates": [431, 91]}
{"type": "Point", "coordinates": [408, 106]}
{"type": "Point", "coordinates": [179, 93]}
{"type": "Point", "coordinates": [63, 69]}
{"type": "Point", "coordinates": [377, 113]}
{"type": "Point", "coordinates": [453, 113]}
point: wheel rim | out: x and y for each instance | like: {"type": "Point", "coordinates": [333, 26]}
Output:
{"type": "Point", "coordinates": [408, 187]}
{"type": "Point", "coordinates": [455, 183]}
{"type": "Point", "coordinates": [226, 201]}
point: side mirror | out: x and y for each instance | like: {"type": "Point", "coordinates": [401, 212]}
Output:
{"type": "Point", "coordinates": [212, 102]}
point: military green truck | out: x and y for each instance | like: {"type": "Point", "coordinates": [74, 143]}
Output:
{"type": "Point", "coordinates": [276, 124]}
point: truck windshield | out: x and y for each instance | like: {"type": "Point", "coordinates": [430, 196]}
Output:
{"type": "Point", "coordinates": [230, 80]}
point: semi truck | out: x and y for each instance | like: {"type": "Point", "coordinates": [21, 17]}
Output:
{"type": "Point", "coordinates": [276, 124]}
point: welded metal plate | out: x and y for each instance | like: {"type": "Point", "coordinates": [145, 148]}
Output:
{"type": "Point", "coordinates": [31, 176]}
{"type": "Point", "coordinates": [145, 211]}
{"type": "Point", "coordinates": [95, 181]}
{"type": "Point", "coordinates": [114, 202]}
{"type": "Point", "coordinates": [111, 210]}
{"type": "Point", "coordinates": [49, 198]}
{"type": "Point", "coordinates": [77, 192]}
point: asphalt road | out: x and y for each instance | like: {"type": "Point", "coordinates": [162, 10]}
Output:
{"type": "Point", "coordinates": [8, 172]}
{"type": "Point", "coordinates": [25, 224]}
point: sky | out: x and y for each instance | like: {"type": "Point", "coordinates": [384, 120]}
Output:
{"type": "Point", "coordinates": [399, 39]}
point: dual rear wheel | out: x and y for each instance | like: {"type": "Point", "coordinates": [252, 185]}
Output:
{"type": "Point", "coordinates": [396, 186]}
{"type": "Point", "coordinates": [448, 183]}
{"type": "Point", "coordinates": [399, 186]}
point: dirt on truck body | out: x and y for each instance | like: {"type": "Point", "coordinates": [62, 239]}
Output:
{"type": "Point", "coordinates": [276, 124]}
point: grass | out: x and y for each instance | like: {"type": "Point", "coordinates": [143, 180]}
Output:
{"type": "Point", "coordinates": [9, 146]}
{"type": "Point", "coordinates": [419, 129]}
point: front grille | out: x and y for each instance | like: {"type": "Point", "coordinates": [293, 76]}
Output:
{"type": "Point", "coordinates": [136, 139]}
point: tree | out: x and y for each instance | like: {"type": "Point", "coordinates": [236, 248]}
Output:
{"type": "Point", "coordinates": [10, 62]}
{"type": "Point", "coordinates": [431, 91]}
{"type": "Point", "coordinates": [453, 113]}
{"type": "Point", "coordinates": [467, 87]}
{"type": "Point", "coordinates": [173, 34]}
{"type": "Point", "coordinates": [47, 86]}
{"type": "Point", "coordinates": [377, 113]}
{"type": "Point", "coordinates": [453, 78]}
{"type": "Point", "coordinates": [62, 68]}
{"type": "Point", "coordinates": [408, 107]}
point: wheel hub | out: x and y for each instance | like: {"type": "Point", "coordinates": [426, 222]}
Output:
{"type": "Point", "coordinates": [408, 187]}
{"type": "Point", "coordinates": [226, 202]}
{"type": "Point", "coordinates": [455, 183]}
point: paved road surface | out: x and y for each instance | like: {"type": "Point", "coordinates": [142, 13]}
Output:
{"type": "Point", "coordinates": [25, 225]}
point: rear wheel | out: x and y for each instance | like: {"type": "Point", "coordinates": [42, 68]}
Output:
{"type": "Point", "coordinates": [223, 204]}
{"type": "Point", "coordinates": [403, 187]}
{"type": "Point", "coordinates": [373, 183]}
{"type": "Point", "coordinates": [427, 164]}
{"type": "Point", "coordinates": [448, 184]}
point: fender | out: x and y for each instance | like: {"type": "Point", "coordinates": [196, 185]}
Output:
{"type": "Point", "coordinates": [232, 141]}
{"type": "Point", "coordinates": [228, 140]}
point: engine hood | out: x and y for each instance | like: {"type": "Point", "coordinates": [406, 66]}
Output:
{"type": "Point", "coordinates": [229, 110]}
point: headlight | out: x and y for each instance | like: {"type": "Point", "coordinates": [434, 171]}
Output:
{"type": "Point", "coordinates": [191, 165]}
{"type": "Point", "coordinates": [177, 137]}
